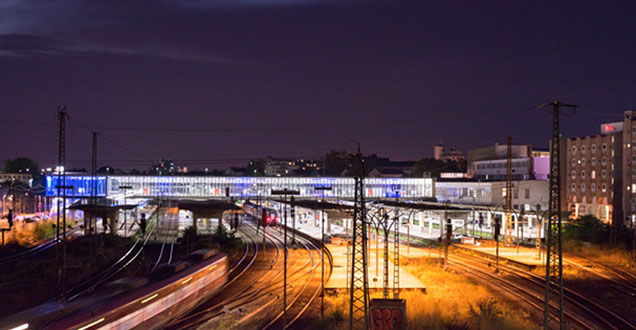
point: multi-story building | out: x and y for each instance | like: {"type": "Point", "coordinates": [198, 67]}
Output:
{"type": "Point", "coordinates": [594, 175]}
{"type": "Point", "coordinates": [526, 194]}
{"type": "Point", "coordinates": [490, 163]}
{"type": "Point", "coordinates": [441, 153]}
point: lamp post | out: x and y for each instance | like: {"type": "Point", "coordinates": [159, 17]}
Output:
{"type": "Point", "coordinates": [322, 253]}
{"type": "Point", "coordinates": [285, 192]}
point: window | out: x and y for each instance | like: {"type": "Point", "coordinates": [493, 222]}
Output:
{"type": "Point", "coordinates": [582, 161]}
{"type": "Point", "coordinates": [593, 161]}
{"type": "Point", "coordinates": [582, 149]}
{"type": "Point", "coordinates": [573, 162]}
{"type": "Point", "coordinates": [603, 174]}
{"type": "Point", "coordinates": [573, 149]}
{"type": "Point", "coordinates": [593, 187]}
{"type": "Point", "coordinates": [527, 193]}
{"type": "Point", "coordinates": [593, 175]}
{"type": "Point", "coordinates": [573, 187]}
{"type": "Point", "coordinates": [582, 174]}
{"type": "Point", "coordinates": [633, 130]}
{"type": "Point", "coordinates": [603, 187]}
{"type": "Point", "coordinates": [604, 147]}
{"type": "Point", "coordinates": [582, 186]}
{"type": "Point", "coordinates": [573, 174]}
{"type": "Point", "coordinates": [516, 193]}
{"type": "Point", "coordinates": [593, 147]}
{"type": "Point", "coordinates": [604, 161]}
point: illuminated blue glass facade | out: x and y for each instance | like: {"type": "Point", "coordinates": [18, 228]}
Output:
{"type": "Point", "coordinates": [244, 187]}
{"type": "Point", "coordinates": [82, 185]}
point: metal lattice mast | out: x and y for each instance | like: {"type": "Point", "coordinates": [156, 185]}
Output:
{"type": "Point", "coordinates": [396, 257]}
{"type": "Point", "coordinates": [508, 201]}
{"type": "Point", "coordinates": [554, 258]}
{"type": "Point", "coordinates": [359, 285]}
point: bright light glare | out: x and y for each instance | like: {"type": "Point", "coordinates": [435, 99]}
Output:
{"type": "Point", "coordinates": [150, 298]}
{"type": "Point", "coordinates": [92, 324]}
{"type": "Point", "coordinates": [187, 280]}
{"type": "Point", "coordinates": [21, 327]}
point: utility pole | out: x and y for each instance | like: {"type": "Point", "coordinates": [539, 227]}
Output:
{"type": "Point", "coordinates": [124, 189]}
{"type": "Point", "coordinates": [292, 209]}
{"type": "Point", "coordinates": [61, 191]}
{"type": "Point", "coordinates": [554, 260]}
{"type": "Point", "coordinates": [322, 252]}
{"type": "Point", "coordinates": [285, 192]}
{"type": "Point", "coordinates": [92, 221]}
{"type": "Point", "coordinates": [359, 285]}
{"type": "Point", "coordinates": [508, 200]}
{"type": "Point", "coordinates": [396, 255]}
{"type": "Point", "coordinates": [447, 239]}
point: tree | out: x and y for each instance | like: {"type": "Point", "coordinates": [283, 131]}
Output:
{"type": "Point", "coordinates": [21, 165]}
{"type": "Point", "coordinates": [587, 228]}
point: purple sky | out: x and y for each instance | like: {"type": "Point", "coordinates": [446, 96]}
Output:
{"type": "Point", "coordinates": [336, 70]}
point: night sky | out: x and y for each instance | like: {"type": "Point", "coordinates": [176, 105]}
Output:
{"type": "Point", "coordinates": [298, 77]}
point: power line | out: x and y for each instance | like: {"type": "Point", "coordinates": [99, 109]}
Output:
{"type": "Point", "coordinates": [446, 116]}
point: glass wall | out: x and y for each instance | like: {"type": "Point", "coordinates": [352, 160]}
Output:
{"type": "Point", "coordinates": [245, 187]}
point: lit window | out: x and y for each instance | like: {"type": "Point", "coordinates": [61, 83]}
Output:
{"type": "Point", "coordinates": [593, 175]}
{"type": "Point", "coordinates": [633, 187]}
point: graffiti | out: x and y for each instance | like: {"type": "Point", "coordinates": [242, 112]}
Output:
{"type": "Point", "coordinates": [387, 318]}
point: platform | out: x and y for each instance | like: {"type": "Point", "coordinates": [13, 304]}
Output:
{"type": "Point", "coordinates": [338, 279]}
{"type": "Point", "coordinates": [526, 256]}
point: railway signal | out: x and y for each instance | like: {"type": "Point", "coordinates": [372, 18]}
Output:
{"type": "Point", "coordinates": [10, 218]}
{"type": "Point", "coordinates": [496, 237]}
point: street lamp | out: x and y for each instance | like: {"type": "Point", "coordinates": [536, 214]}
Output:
{"type": "Point", "coordinates": [285, 192]}
{"type": "Point", "coordinates": [322, 253]}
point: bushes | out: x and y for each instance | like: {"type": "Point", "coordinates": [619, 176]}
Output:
{"type": "Point", "coordinates": [44, 230]}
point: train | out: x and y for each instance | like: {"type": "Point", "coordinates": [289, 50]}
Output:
{"type": "Point", "coordinates": [267, 215]}
{"type": "Point", "coordinates": [150, 306]}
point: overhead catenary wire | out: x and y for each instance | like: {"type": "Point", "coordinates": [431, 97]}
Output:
{"type": "Point", "coordinates": [445, 116]}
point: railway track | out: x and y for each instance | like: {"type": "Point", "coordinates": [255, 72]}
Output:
{"type": "Point", "coordinates": [265, 285]}
{"type": "Point", "coordinates": [35, 249]}
{"type": "Point", "coordinates": [124, 261]}
{"type": "Point", "coordinates": [589, 310]}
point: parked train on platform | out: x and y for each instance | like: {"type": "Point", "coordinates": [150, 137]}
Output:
{"type": "Point", "coordinates": [267, 215]}
{"type": "Point", "coordinates": [148, 307]}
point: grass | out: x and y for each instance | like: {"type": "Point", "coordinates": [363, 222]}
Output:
{"type": "Point", "coordinates": [603, 254]}
{"type": "Point", "coordinates": [451, 301]}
